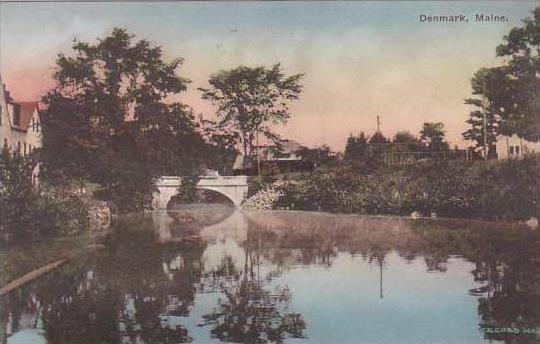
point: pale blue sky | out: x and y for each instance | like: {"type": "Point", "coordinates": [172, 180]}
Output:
{"type": "Point", "coordinates": [361, 59]}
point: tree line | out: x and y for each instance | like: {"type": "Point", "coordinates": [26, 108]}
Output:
{"type": "Point", "coordinates": [506, 98]}
{"type": "Point", "coordinates": [113, 117]}
{"type": "Point", "coordinates": [111, 120]}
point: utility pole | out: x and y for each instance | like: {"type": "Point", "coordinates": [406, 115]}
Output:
{"type": "Point", "coordinates": [485, 118]}
{"type": "Point", "coordinates": [378, 124]}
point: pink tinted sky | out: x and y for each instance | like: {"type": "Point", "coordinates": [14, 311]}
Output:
{"type": "Point", "coordinates": [360, 59]}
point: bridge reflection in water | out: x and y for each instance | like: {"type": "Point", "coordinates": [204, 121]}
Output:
{"type": "Point", "coordinates": [191, 222]}
{"type": "Point", "coordinates": [289, 277]}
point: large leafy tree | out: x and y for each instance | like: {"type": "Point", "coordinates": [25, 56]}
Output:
{"type": "Point", "coordinates": [406, 140]}
{"type": "Point", "coordinates": [109, 119]}
{"type": "Point", "coordinates": [220, 149]}
{"type": "Point", "coordinates": [432, 135]}
{"type": "Point", "coordinates": [521, 48]}
{"type": "Point", "coordinates": [320, 156]}
{"type": "Point", "coordinates": [249, 100]}
{"type": "Point", "coordinates": [508, 94]}
{"type": "Point", "coordinates": [404, 136]}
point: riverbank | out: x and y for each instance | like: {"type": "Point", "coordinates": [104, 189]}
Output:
{"type": "Point", "coordinates": [500, 191]}
{"type": "Point", "coordinates": [18, 259]}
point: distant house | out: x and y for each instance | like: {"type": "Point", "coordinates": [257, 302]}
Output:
{"type": "Point", "coordinates": [287, 150]}
{"type": "Point", "coordinates": [20, 126]}
{"type": "Point", "coordinates": [282, 157]}
{"type": "Point", "coordinates": [514, 147]}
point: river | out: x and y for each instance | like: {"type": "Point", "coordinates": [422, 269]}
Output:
{"type": "Point", "coordinates": [215, 274]}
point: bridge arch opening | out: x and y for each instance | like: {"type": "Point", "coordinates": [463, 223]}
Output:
{"type": "Point", "coordinates": [201, 196]}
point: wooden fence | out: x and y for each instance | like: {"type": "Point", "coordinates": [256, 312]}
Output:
{"type": "Point", "coordinates": [404, 158]}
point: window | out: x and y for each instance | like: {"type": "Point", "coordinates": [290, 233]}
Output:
{"type": "Point", "coordinates": [517, 150]}
{"type": "Point", "coordinates": [5, 143]}
{"type": "Point", "coordinates": [19, 147]}
{"type": "Point", "coordinates": [16, 115]}
{"type": "Point", "coordinates": [24, 147]}
{"type": "Point", "coordinates": [511, 150]}
{"type": "Point", "coordinates": [35, 125]}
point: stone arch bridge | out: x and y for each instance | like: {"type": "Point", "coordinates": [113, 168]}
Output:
{"type": "Point", "coordinates": [233, 187]}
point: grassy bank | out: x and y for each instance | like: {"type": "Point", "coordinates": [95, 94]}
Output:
{"type": "Point", "coordinates": [498, 190]}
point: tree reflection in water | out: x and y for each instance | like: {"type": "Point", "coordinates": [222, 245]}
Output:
{"type": "Point", "coordinates": [126, 293]}
{"type": "Point", "coordinates": [508, 264]}
{"type": "Point", "coordinates": [250, 313]}
{"type": "Point", "coordinates": [138, 291]}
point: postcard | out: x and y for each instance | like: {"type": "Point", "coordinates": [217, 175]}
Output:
{"type": "Point", "coordinates": [359, 172]}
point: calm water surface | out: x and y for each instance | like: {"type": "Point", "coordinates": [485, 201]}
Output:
{"type": "Point", "coordinates": [213, 274]}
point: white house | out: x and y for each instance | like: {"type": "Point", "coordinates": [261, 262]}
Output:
{"type": "Point", "coordinates": [512, 147]}
{"type": "Point", "coordinates": [288, 150]}
{"type": "Point", "coordinates": [20, 127]}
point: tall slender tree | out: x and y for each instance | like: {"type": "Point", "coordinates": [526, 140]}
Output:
{"type": "Point", "coordinates": [491, 87]}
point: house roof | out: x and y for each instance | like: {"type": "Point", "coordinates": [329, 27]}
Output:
{"type": "Point", "coordinates": [287, 145]}
{"type": "Point", "coordinates": [27, 112]}
{"type": "Point", "coordinates": [290, 146]}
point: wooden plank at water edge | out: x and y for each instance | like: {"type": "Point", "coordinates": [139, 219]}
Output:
{"type": "Point", "coordinates": [32, 275]}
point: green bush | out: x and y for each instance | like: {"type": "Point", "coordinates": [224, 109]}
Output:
{"type": "Point", "coordinates": [256, 184]}
{"type": "Point", "coordinates": [29, 211]}
{"type": "Point", "coordinates": [494, 190]}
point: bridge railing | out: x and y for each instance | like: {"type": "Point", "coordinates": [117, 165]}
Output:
{"type": "Point", "coordinates": [175, 180]}
{"type": "Point", "coordinates": [225, 180]}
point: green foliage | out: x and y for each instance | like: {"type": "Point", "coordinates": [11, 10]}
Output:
{"type": "Point", "coordinates": [378, 137]}
{"type": "Point", "coordinates": [28, 212]}
{"type": "Point", "coordinates": [506, 271]}
{"type": "Point", "coordinates": [404, 136]}
{"type": "Point", "coordinates": [110, 120]}
{"type": "Point", "coordinates": [220, 148]}
{"type": "Point", "coordinates": [320, 156]}
{"type": "Point", "coordinates": [433, 136]}
{"type": "Point", "coordinates": [507, 190]}
{"type": "Point", "coordinates": [407, 141]}
{"type": "Point", "coordinates": [494, 84]}
{"type": "Point", "coordinates": [356, 147]}
{"type": "Point", "coordinates": [521, 50]}
{"type": "Point", "coordinates": [256, 184]}
{"type": "Point", "coordinates": [365, 156]}
{"type": "Point", "coordinates": [510, 90]}
{"type": "Point", "coordinates": [249, 99]}
{"type": "Point", "coordinates": [187, 192]}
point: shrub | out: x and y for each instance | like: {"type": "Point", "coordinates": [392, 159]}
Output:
{"type": "Point", "coordinates": [28, 211]}
{"type": "Point", "coordinates": [494, 190]}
